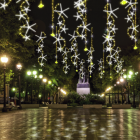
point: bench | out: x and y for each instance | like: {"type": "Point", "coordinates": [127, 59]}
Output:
{"type": "Point", "coordinates": [121, 106]}
{"type": "Point", "coordinates": [9, 107]}
{"type": "Point", "coordinates": [57, 106]}
{"type": "Point", "coordinates": [93, 106]}
{"type": "Point", "coordinates": [24, 106]}
{"type": "Point", "coordinates": [13, 105]}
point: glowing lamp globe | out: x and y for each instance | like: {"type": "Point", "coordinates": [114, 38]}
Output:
{"type": "Point", "coordinates": [19, 66]}
{"type": "Point", "coordinates": [86, 49]}
{"type": "Point", "coordinates": [41, 5]}
{"type": "Point", "coordinates": [52, 34]}
{"type": "Point", "coordinates": [28, 73]}
{"type": "Point", "coordinates": [56, 62]}
{"type": "Point", "coordinates": [44, 80]}
{"type": "Point", "coordinates": [4, 59]}
{"type": "Point", "coordinates": [123, 2]}
{"type": "Point", "coordinates": [135, 48]}
{"type": "Point", "coordinates": [130, 72]}
{"type": "Point", "coordinates": [121, 80]}
{"type": "Point", "coordinates": [40, 76]}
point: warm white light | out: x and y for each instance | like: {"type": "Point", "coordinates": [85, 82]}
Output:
{"type": "Point", "coordinates": [40, 76]}
{"type": "Point", "coordinates": [44, 80]}
{"type": "Point", "coordinates": [118, 82]}
{"type": "Point", "coordinates": [34, 72]}
{"type": "Point", "coordinates": [19, 66]}
{"type": "Point", "coordinates": [4, 59]}
{"type": "Point", "coordinates": [29, 73]}
{"type": "Point", "coordinates": [121, 80]}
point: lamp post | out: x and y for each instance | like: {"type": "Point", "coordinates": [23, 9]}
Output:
{"type": "Point", "coordinates": [19, 67]}
{"type": "Point", "coordinates": [122, 80]}
{"type": "Point", "coordinates": [44, 81]}
{"type": "Point", "coordinates": [32, 74]}
{"type": "Point", "coordinates": [38, 78]}
{"type": "Point", "coordinates": [118, 90]}
{"type": "Point", "coordinates": [49, 82]}
{"type": "Point", "coordinates": [4, 60]}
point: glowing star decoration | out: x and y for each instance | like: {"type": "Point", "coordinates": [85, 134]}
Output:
{"type": "Point", "coordinates": [21, 15]}
{"type": "Point", "coordinates": [27, 37]}
{"type": "Point", "coordinates": [131, 4]}
{"type": "Point", "coordinates": [73, 36]}
{"type": "Point", "coordinates": [101, 68]}
{"type": "Point", "coordinates": [42, 58]}
{"type": "Point", "coordinates": [40, 48]}
{"type": "Point", "coordinates": [77, 16]}
{"type": "Point", "coordinates": [109, 41]}
{"type": "Point", "coordinates": [29, 27]}
{"type": "Point", "coordinates": [58, 39]}
{"type": "Point", "coordinates": [3, 5]}
{"type": "Point", "coordinates": [111, 12]}
{"type": "Point", "coordinates": [132, 18]}
{"type": "Point", "coordinates": [84, 27]}
{"type": "Point", "coordinates": [64, 29]}
{"type": "Point", "coordinates": [24, 8]}
{"type": "Point", "coordinates": [18, 1]}
{"type": "Point", "coordinates": [133, 27]}
{"type": "Point", "coordinates": [40, 37]}
{"type": "Point", "coordinates": [61, 12]}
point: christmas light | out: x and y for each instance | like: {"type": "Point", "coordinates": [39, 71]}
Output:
{"type": "Point", "coordinates": [132, 18]}
{"type": "Point", "coordinates": [124, 2]}
{"type": "Point", "coordinates": [24, 7]}
{"type": "Point", "coordinates": [4, 4]}
{"type": "Point", "coordinates": [40, 48]}
{"type": "Point", "coordinates": [61, 12]}
{"type": "Point", "coordinates": [41, 5]}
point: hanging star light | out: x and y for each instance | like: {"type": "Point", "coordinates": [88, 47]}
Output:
{"type": "Point", "coordinates": [4, 4]}
{"type": "Point", "coordinates": [61, 12]}
{"type": "Point", "coordinates": [62, 29]}
{"type": "Point", "coordinates": [28, 27]}
{"type": "Point", "coordinates": [109, 40]}
{"type": "Point", "coordinates": [40, 48]}
{"type": "Point", "coordinates": [21, 15]}
{"type": "Point", "coordinates": [24, 9]}
{"type": "Point", "coordinates": [132, 18]}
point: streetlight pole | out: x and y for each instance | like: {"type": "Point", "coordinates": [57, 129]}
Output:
{"type": "Point", "coordinates": [19, 66]}
{"type": "Point", "coordinates": [4, 60]}
{"type": "Point", "coordinates": [44, 80]}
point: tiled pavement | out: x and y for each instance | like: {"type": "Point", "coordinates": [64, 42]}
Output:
{"type": "Point", "coordinates": [70, 124]}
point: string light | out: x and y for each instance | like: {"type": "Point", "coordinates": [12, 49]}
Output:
{"type": "Point", "coordinates": [40, 48]}
{"type": "Point", "coordinates": [109, 40]}
{"type": "Point", "coordinates": [90, 55]}
{"type": "Point", "coordinates": [58, 36]}
{"type": "Point", "coordinates": [132, 17]}
{"type": "Point", "coordinates": [23, 15]}
{"type": "Point", "coordinates": [52, 34]}
{"type": "Point", "coordinates": [4, 4]}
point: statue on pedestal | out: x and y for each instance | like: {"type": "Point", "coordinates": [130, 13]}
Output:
{"type": "Point", "coordinates": [85, 78]}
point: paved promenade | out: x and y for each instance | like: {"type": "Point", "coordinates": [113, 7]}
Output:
{"type": "Point", "coordinates": [70, 124]}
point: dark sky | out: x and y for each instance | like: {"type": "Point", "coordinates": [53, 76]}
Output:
{"type": "Point", "coordinates": [96, 17]}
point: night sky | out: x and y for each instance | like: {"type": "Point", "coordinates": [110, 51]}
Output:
{"type": "Point", "coordinates": [95, 16]}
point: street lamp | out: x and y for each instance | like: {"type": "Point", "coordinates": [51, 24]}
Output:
{"type": "Point", "coordinates": [32, 74]}
{"type": "Point", "coordinates": [4, 60]}
{"type": "Point", "coordinates": [44, 80]}
{"type": "Point", "coordinates": [19, 67]}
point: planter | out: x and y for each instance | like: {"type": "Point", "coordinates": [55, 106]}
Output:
{"type": "Point", "coordinates": [57, 106]}
{"type": "Point", "coordinates": [119, 106]}
{"type": "Point", "coordinates": [30, 106]}
{"type": "Point", "coordinates": [93, 106]}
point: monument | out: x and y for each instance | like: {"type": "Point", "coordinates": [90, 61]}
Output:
{"type": "Point", "coordinates": [83, 86]}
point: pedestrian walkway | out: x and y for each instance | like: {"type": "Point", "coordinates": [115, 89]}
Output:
{"type": "Point", "coordinates": [70, 124]}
